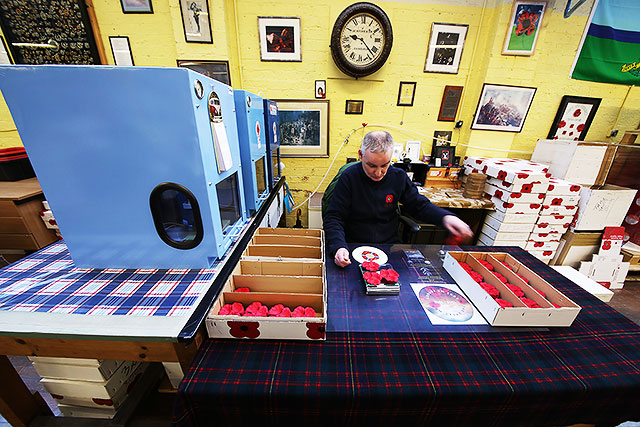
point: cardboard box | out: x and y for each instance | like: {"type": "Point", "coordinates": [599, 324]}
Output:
{"type": "Point", "coordinates": [510, 218]}
{"type": "Point", "coordinates": [554, 200]}
{"type": "Point", "coordinates": [545, 237]}
{"type": "Point", "coordinates": [549, 228]}
{"type": "Point", "coordinates": [603, 207]}
{"type": "Point", "coordinates": [542, 246]}
{"type": "Point", "coordinates": [563, 220]}
{"type": "Point", "coordinates": [519, 314]}
{"type": "Point", "coordinates": [612, 239]}
{"type": "Point", "coordinates": [504, 235]}
{"type": "Point", "coordinates": [286, 243]}
{"type": "Point", "coordinates": [589, 285]}
{"type": "Point", "coordinates": [544, 256]}
{"type": "Point", "coordinates": [559, 210]}
{"type": "Point", "coordinates": [521, 208]}
{"type": "Point", "coordinates": [500, 226]}
{"type": "Point", "coordinates": [575, 247]}
{"type": "Point", "coordinates": [101, 372]}
{"type": "Point", "coordinates": [538, 188]}
{"type": "Point", "coordinates": [560, 187]}
{"type": "Point", "coordinates": [484, 240]}
{"type": "Point", "coordinates": [513, 197]}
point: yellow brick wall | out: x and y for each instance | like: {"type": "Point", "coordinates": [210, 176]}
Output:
{"type": "Point", "coordinates": [158, 39]}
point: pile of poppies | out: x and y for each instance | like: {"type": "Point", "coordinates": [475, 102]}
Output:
{"type": "Point", "coordinates": [488, 287]}
{"type": "Point", "coordinates": [374, 275]}
{"type": "Point", "coordinates": [257, 309]}
{"type": "Point", "coordinates": [520, 294]}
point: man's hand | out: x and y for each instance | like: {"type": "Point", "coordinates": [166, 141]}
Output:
{"type": "Point", "coordinates": [342, 257]}
{"type": "Point", "coordinates": [457, 227]}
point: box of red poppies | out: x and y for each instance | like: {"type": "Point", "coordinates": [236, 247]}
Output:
{"type": "Point", "coordinates": [506, 292]}
{"type": "Point", "coordinates": [273, 297]}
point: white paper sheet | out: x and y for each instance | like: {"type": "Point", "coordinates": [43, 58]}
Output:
{"type": "Point", "coordinates": [221, 144]}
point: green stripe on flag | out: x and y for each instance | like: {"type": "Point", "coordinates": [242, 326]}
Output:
{"type": "Point", "coordinates": [608, 61]}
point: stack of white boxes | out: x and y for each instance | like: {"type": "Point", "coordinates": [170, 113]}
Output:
{"type": "Point", "coordinates": [532, 209]}
{"type": "Point", "coordinates": [607, 267]}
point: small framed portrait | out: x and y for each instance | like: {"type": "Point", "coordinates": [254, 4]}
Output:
{"type": "Point", "coordinates": [121, 50]}
{"type": "Point", "coordinates": [321, 89]}
{"type": "Point", "coordinates": [445, 48]}
{"type": "Point", "coordinates": [195, 21]}
{"type": "Point", "coordinates": [524, 27]}
{"type": "Point", "coordinates": [217, 70]}
{"type": "Point", "coordinates": [503, 108]}
{"type": "Point", "coordinates": [136, 6]}
{"type": "Point", "coordinates": [354, 107]}
{"type": "Point", "coordinates": [450, 102]}
{"type": "Point", "coordinates": [304, 127]}
{"type": "Point", "coordinates": [280, 38]}
{"type": "Point", "coordinates": [574, 118]}
{"type": "Point", "coordinates": [406, 94]}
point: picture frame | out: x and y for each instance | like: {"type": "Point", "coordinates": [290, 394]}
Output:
{"type": "Point", "coordinates": [121, 50]}
{"type": "Point", "coordinates": [574, 117]}
{"type": "Point", "coordinates": [5, 58]}
{"type": "Point", "coordinates": [217, 70]}
{"type": "Point", "coordinates": [136, 6]}
{"type": "Point", "coordinates": [353, 106]}
{"type": "Point", "coordinates": [524, 27]}
{"type": "Point", "coordinates": [280, 38]}
{"type": "Point", "coordinates": [450, 102]}
{"type": "Point", "coordinates": [195, 21]}
{"type": "Point", "coordinates": [441, 138]}
{"type": "Point", "coordinates": [502, 107]}
{"type": "Point", "coordinates": [304, 127]}
{"type": "Point", "coordinates": [406, 94]}
{"type": "Point", "coordinates": [444, 50]}
{"type": "Point", "coordinates": [321, 89]}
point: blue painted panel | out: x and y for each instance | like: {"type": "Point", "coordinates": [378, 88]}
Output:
{"type": "Point", "coordinates": [101, 138]}
{"type": "Point", "coordinates": [272, 123]}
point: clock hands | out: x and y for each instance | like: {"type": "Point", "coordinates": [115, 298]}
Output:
{"type": "Point", "coordinates": [354, 37]}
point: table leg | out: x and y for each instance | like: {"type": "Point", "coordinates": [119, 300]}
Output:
{"type": "Point", "coordinates": [17, 405]}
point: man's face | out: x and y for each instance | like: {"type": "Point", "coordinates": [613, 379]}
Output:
{"type": "Point", "coordinates": [375, 165]}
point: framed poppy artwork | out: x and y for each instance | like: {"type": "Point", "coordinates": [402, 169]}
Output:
{"type": "Point", "coordinates": [445, 48]}
{"type": "Point", "coordinates": [304, 128]}
{"type": "Point", "coordinates": [573, 118]}
{"type": "Point", "coordinates": [280, 38]}
{"type": "Point", "coordinates": [524, 27]}
{"type": "Point", "coordinates": [503, 107]}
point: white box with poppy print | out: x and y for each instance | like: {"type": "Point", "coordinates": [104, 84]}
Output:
{"type": "Point", "coordinates": [559, 210]}
{"type": "Point", "coordinates": [513, 218]}
{"type": "Point", "coordinates": [564, 220]}
{"type": "Point", "coordinates": [512, 227]}
{"type": "Point", "coordinates": [484, 240]}
{"type": "Point", "coordinates": [534, 245]}
{"type": "Point", "coordinates": [544, 256]}
{"type": "Point", "coordinates": [560, 187]}
{"type": "Point", "coordinates": [554, 200]}
{"type": "Point", "coordinates": [550, 228]}
{"type": "Point", "coordinates": [520, 188]}
{"type": "Point", "coordinates": [278, 283]}
{"type": "Point", "coordinates": [512, 196]}
{"type": "Point", "coordinates": [545, 237]}
{"type": "Point", "coordinates": [516, 208]}
{"type": "Point", "coordinates": [519, 173]}
{"type": "Point", "coordinates": [556, 309]}
{"type": "Point", "coordinates": [504, 235]}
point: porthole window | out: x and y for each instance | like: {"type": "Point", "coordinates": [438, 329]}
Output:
{"type": "Point", "coordinates": [176, 215]}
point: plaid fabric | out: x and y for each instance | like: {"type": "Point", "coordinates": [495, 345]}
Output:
{"type": "Point", "coordinates": [47, 281]}
{"type": "Point", "coordinates": [588, 373]}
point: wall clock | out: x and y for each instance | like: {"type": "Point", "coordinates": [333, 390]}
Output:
{"type": "Point", "coordinates": [361, 39]}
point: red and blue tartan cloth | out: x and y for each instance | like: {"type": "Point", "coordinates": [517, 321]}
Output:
{"type": "Point", "coordinates": [587, 373]}
{"type": "Point", "coordinates": [48, 282]}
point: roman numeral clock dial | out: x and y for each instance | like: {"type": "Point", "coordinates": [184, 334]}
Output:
{"type": "Point", "coordinates": [361, 39]}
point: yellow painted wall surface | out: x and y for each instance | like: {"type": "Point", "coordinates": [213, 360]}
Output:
{"type": "Point", "coordinates": [158, 39]}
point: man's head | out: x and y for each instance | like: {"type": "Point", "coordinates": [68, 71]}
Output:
{"type": "Point", "coordinates": [375, 154]}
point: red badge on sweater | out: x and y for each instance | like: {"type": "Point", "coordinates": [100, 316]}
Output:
{"type": "Point", "coordinates": [389, 198]}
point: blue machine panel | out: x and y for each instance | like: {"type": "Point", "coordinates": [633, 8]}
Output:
{"type": "Point", "coordinates": [140, 165]}
{"type": "Point", "coordinates": [272, 122]}
{"type": "Point", "coordinates": [253, 148]}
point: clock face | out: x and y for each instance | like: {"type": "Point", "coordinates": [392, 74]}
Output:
{"type": "Point", "coordinates": [362, 39]}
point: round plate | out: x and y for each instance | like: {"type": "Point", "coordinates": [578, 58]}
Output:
{"type": "Point", "coordinates": [369, 253]}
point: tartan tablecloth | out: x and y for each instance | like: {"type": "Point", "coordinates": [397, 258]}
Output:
{"type": "Point", "coordinates": [588, 373]}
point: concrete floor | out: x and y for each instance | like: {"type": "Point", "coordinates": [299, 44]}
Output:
{"type": "Point", "coordinates": [155, 408]}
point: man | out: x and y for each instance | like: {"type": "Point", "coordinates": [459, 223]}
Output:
{"type": "Point", "coordinates": [363, 206]}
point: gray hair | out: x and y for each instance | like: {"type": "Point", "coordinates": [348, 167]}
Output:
{"type": "Point", "coordinates": [377, 142]}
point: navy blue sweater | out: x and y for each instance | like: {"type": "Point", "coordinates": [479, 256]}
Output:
{"type": "Point", "coordinates": [365, 211]}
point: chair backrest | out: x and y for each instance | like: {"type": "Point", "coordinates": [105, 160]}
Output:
{"type": "Point", "coordinates": [326, 198]}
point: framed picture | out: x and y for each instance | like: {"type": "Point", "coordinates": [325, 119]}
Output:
{"type": "Point", "coordinates": [4, 52]}
{"type": "Point", "coordinates": [406, 94]}
{"type": "Point", "coordinates": [450, 102]}
{"type": "Point", "coordinates": [321, 89]}
{"type": "Point", "coordinates": [442, 137]}
{"type": "Point", "coordinates": [524, 27]}
{"type": "Point", "coordinates": [121, 50]}
{"type": "Point", "coordinates": [279, 38]}
{"type": "Point", "coordinates": [304, 128]}
{"type": "Point", "coordinates": [195, 21]}
{"type": "Point", "coordinates": [217, 70]}
{"type": "Point", "coordinates": [445, 48]}
{"type": "Point", "coordinates": [136, 6]}
{"type": "Point", "coordinates": [354, 107]}
{"type": "Point", "coordinates": [573, 118]}
{"type": "Point", "coordinates": [503, 107]}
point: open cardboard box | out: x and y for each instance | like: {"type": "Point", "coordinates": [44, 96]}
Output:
{"type": "Point", "coordinates": [282, 243]}
{"type": "Point", "coordinates": [519, 314]}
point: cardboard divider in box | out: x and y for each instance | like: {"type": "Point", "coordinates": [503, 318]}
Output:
{"type": "Point", "coordinates": [560, 187]}
{"type": "Point", "coordinates": [286, 243]}
{"type": "Point", "coordinates": [512, 196]}
{"type": "Point", "coordinates": [515, 208]}
{"type": "Point", "coordinates": [504, 235]}
{"type": "Point", "coordinates": [554, 200]}
{"type": "Point", "coordinates": [519, 314]}
{"type": "Point", "coordinates": [500, 226]}
{"type": "Point", "coordinates": [512, 218]}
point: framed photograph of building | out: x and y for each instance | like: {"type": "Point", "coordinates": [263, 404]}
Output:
{"type": "Point", "coordinates": [304, 128]}
{"type": "Point", "coordinates": [195, 21]}
{"type": "Point", "coordinates": [524, 27]}
{"type": "Point", "coordinates": [574, 118]}
{"type": "Point", "coordinates": [280, 38]}
{"type": "Point", "coordinates": [445, 48]}
{"type": "Point", "coordinates": [503, 107]}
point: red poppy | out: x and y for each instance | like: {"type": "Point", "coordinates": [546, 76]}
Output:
{"type": "Point", "coordinates": [315, 331]}
{"type": "Point", "coordinates": [556, 202]}
{"type": "Point", "coordinates": [242, 290]}
{"type": "Point", "coordinates": [526, 23]}
{"type": "Point", "coordinates": [529, 302]}
{"type": "Point", "coordinates": [577, 112]}
{"type": "Point", "coordinates": [276, 309]}
{"type": "Point", "coordinates": [286, 312]}
{"type": "Point", "coordinates": [371, 266]}
{"type": "Point", "coordinates": [390, 275]}
{"type": "Point", "coordinates": [606, 245]}
{"type": "Point", "coordinates": [97, 401]}
{"type": "Point", "coordinates": [502, 175]}
{"type": "Point", "coordinates": [374, 279]}
{"type": "Point", "coordinates": [561, 124]}
{"type": "Point", "coordinates": [526, 188]}
{"type": "Point", "coordinates": [580, 128]}
{"type": "Point", "coordinates": [503, 303]}
{"type": "Point", "coordinates": [389, 198]}
{"type": "Point", "coordinates": [498, 194]}
{"type": "Point", "coordinates": [523, 175]}
{"type": "Point", "coordinates": [515, 289]}
{"type": "Point", "coordinates": [244, 329]}
{"type": "Point", "coordinates": [574, 188]}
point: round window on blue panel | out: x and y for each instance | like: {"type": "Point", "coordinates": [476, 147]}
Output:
{"type": "Point", "coordinates": [176, 215]}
